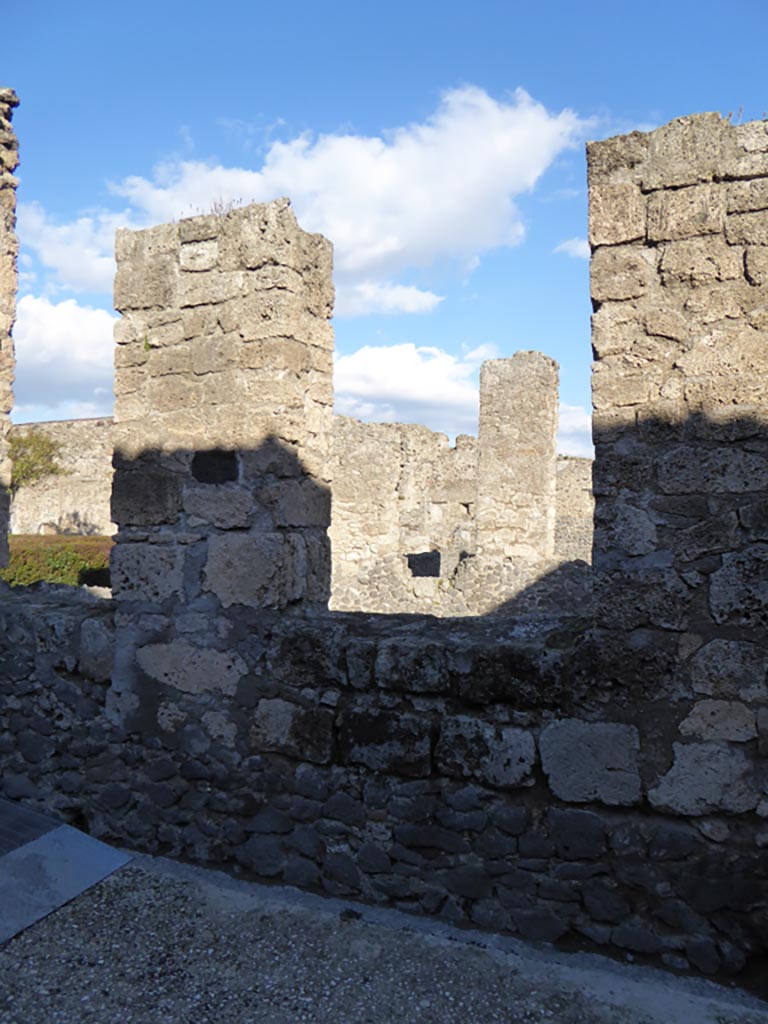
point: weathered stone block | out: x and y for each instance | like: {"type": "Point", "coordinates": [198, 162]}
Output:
{"type": "Point", "coordinates": [720, 720]}
{"type": "Point", "coordinates": [620, 273]}
{"type": "Point", "coordinates": [686, 212]}
{"type": "Point", "coordinates": [192, 669]}
{"type": "Point", "coordinates": [616, 213]}
{"type": "Point", "coordinates": [704, 778]}
{"type": "Point", "coordinates": [145, 496]}
{"type": "Point", "coordinates": [261, 570]}
{"type": "Point", "coordinates": [738, 592]}
{"type": "Point", "coordinates": [587, 761]}
{"type": "Point", "coordinates": [146, 572]}
{"type": "Point", "coordinates": [700, 261]}
{"type": "Point", "coordinates": [498, 756]}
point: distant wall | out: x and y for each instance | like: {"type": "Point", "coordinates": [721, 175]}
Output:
{"type": "Point", "coordinates": [574, 506]}
{"type": "Point", "coordinates": [9, 245]}
{"type": "Point", "coordinates": [78, 500]}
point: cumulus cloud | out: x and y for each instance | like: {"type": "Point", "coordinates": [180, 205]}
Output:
{"type": "Point", "coordinates": [64, 354]}
{"type": "Point", "coordinates": [574, 435]}
{"type": "Point", "coordinates": [411, 384]}
{"type": "Point", "coordinates": [576, 248]}
{"type": "Point", "coordinates": [79, 253]}
{"type": "Point", "coordinates": [435, 192]}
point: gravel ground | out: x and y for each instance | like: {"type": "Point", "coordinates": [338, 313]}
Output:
{"type": "Point", "coordinates": [162, 943]}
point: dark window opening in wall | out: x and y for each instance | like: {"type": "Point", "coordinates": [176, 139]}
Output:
{"type": "Point", "coordinates": [424, 563]}
{"type": "Point", "coordinates": [214, 467]}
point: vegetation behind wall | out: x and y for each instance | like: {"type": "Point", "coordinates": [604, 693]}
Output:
{"type": "Point", "coordinates": [57, 559]}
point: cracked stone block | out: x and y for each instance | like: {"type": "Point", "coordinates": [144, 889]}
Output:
{"type": "Point", "coordinates": [587, 761]}
{"type": "Point", "coordinates": [707, 777]}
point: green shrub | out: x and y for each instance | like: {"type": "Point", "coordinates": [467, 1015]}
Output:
{"type": "Point", "coordinates": [34, 456]}
{"type": "Point", "coordinates": [57, 559]}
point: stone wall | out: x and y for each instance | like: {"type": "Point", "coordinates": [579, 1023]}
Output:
{"type": "Point", "coordinates": [574, 509]}
{"type": "Point", "coordinates": [509, 773]}
{"type": "Point", "coordinates": [679, 230]}
{"type": "Point", "coordinates": [223, 408]}
{"type": "Point", "coordinates": [78, 500]}
{"type": "Point", "coordinates": [437, 766]}
{"type": "Point", "coordinates": [420, 526]}
{"type": "Point", "coordinates": [9, 159]}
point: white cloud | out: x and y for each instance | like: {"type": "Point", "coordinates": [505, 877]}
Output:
{"type": "Point", "coordinates": [574, 435]}
{"type": "Point", "coordinates": [577, 248]}
{"type": "Point", "coordinates": [422, 194]}
{"type": "Point", "coordinates": [64, 358]}
{"type": "Point", "coordinates": [372, 297]}
{"type": "Point", "coordinates": [410, 384]}
{"type": "Point", "coordinates": [80, 253]}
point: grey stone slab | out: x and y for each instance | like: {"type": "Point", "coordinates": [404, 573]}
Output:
{"type": "Point", "coordinates": [44, 874]}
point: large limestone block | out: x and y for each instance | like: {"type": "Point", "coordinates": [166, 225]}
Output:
{"type": "Point", "coordinates": [262, 570]}
{"type": "Point", "coordinates": [498, 756]}
{"type": "Point", "coordinates": [706, 778]}
{"type": "Point", "coordinates": [147, 572]}
{"type": "Point", "coordinates": [688, 150]}
{"type": "Point", "coordinates": [700, 261]}
{"type": "Point", "coordinates": [624, 272]}
{"type": "Point", "coordinates": [738, 592]}
{"type": "Point", "coordinates": [686, 212]}
{"type": "Point", "coordinates": [587, 761]}
{"type": "Point", "coordinates": [192, 669]}
{"type": "Point", "coordinates": [616, 214]}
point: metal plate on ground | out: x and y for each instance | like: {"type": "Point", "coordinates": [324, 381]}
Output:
{"type": "Point", "coordinates": [43, 865]}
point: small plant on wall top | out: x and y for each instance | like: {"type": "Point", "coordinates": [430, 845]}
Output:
{"type": "Point", "coordinates": [34, 456]}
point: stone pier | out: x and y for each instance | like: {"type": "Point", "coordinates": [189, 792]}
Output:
{"type": "Point", "coordinates": [222, 428]}
{"type": "Point", "coordinates": [517, 458]}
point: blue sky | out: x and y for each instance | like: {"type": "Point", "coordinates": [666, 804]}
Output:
{"type": "Point", "coordinates": [439, 145]}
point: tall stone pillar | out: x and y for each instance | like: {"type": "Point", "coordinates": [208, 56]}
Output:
{"type": "Point", "coordinates": [678, 222]}
{"type": "Point", "coordinates": [517, 442]}
{"type": "Point", "coordinates": [9, 246]}
{"type": "Point", "coordinates": [223, 409]}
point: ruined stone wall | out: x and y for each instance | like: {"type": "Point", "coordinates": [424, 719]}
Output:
{"type": "Point", "coordinates": [679, 230]}
{"type": "Point", "coordinates": [223, 409]}
{"type": "Point", "coordinates": [440, 767]}
{"type": "Point", "coordinates": [9, 159]}
{"type": "Point", "coordinates": [77, 500]}
{"type": "Point", "coordinates": [574, 509]}
{"type": "Point", "coordinates": [476, 770]}
{"type": "Point", "coordinates": [485, 508]}
{"type": "Point", "coordinates": [398, 490]}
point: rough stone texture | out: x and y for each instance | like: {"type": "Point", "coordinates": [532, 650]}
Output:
{"type": "Point", "coordinates": [9, 247]}
{"type": "Point", "coordinates": [421, 790]}
{"type": "Point", "coordinates": [681, 414]}
{"type": "Point", "coordinates": [223, 408]}
{"type": "Point", "coordinates": [78, 500]}
{"type": "Point", "coordinates": [517, 452]}
{"type": "Point", "coordinates": [587, 761]}
{"type": "Point", "coordinates": [434, 764]}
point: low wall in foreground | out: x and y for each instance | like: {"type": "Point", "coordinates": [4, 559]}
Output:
{"type": "Point", "coordinates": [441, 768]}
